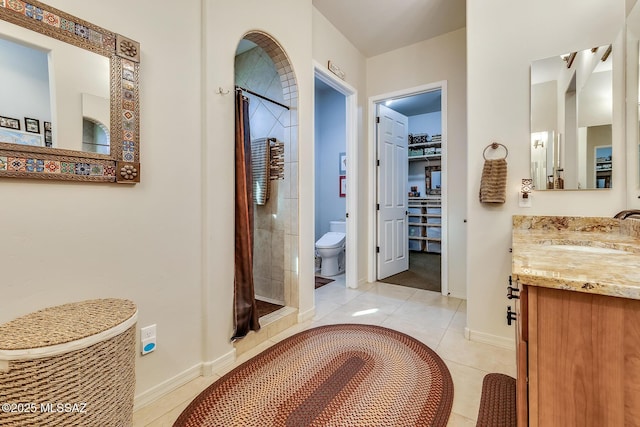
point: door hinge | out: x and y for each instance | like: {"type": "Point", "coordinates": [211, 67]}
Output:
{"type": "Point", "coordinates": [377, 162]}
{"type": "Point", "coordinates": [378, 119]}
{"type": "Point", "coordinates": [377, 249]}
{"type": "Point", "coordinates": [377, 206]}
{"type": "Point", "coordinates": [346, 215]}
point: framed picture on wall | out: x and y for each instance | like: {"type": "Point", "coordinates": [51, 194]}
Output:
{"type": "Point", "coordinates": [343, 186]}
{"type": "Point", "coordinates": [48, 139]}
{"type": "Point", "coordinates": [32, 125]}
{"type": "Point", "coordinates": [47, 126]}
{"type": "Point", "coordinates": [8, 122]}
{"type": "Point", "coordinates": [343, 164]}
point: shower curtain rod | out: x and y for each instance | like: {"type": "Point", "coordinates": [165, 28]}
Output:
{"type": "Point", "coordinates": [261, 96]}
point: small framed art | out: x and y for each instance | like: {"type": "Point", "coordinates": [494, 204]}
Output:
{"type": "Point", "coordinates": [343, 186]}
{"type": "Point", "coordinates": [47, 126]}
{"type": "Point", "coordinates": [343, 163]}
{"type": "Point", "coordinates": [8, 122]}
{"type": "Point", "coordinates": [32, 125]}
{"type": "Point", "coordinates": [48, 139]}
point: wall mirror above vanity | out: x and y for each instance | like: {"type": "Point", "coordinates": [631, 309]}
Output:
{"type": "Point", "coordinates": [571, 120]}
{"type": "Point", "coordinates": [633, 98]}
{"type": "Point", "coordinates": [69, 97]}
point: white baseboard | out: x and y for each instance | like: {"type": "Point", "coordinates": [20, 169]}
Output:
{"type": "Point", "coordinates": [307, 315]}
{"type": "Point", "coordinates": [498, 341]}
{"type": "Point", "coordinates": [165, 387]}
{"type": "Point", "coordinates": [147, 397]}
{"type": "Point", "coordinates": [459, 296]}
{"type": "Point", "coordinates": [208, 368]}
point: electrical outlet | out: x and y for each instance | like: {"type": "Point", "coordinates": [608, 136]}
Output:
{"type": "Point", "coordinates": [148, 332]}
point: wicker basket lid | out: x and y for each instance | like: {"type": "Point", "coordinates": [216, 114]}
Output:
{"type": "Point", "coordinates": [65, 323]}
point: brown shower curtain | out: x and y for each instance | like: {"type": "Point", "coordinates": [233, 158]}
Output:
{"type": "Point", "coordinates": [245, 312]}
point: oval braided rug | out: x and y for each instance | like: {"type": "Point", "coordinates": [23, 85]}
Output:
{"type": "Point", "coordinates": [336, 375]}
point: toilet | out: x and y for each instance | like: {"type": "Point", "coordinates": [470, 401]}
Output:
{"type": "Point", "coordinates": [331, 248]}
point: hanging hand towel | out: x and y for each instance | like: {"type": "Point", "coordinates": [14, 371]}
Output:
{"type": "Point", "coordinates": [493, 185]}
{"type": "Point", "coordinates": [260, 169]}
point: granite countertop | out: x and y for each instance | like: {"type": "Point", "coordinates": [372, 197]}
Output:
{"type": "Point", "coordinates": [585, 254]}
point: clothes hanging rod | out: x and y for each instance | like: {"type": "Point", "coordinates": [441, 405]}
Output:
{"type": "Point", "coordinates": [261, 96]}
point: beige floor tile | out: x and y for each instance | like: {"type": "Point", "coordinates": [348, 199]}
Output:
{"type": "Point", "coordinates": [392, 291]}
{"type": "Point", "coordinates": [169, 417]}
{"type": "Point", "coordinates": [457, 420]}
{"type": "Point", "coordinates": [427, 334]}
{"type": "Point", "coordinates": [421, 313]}
{"type": "Point", "coordinates": [467, 387]}
{"type": "Point", "coordinates": [176, 398]}
{"type": "Point", "coordinates": [454, 346]}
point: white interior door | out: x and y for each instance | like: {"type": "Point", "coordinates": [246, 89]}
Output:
{"type": "Point", "coordinates": [392, 140]}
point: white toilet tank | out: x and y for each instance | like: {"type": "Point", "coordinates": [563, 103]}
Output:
{"type": "Point", "coordinates": [339, 226]}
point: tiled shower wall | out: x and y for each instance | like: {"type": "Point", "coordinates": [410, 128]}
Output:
{"type": "Point", "coordinates": [276, 222]}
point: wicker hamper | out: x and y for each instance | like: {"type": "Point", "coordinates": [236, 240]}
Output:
{"type": "Point", "coordinates": [70, 365]}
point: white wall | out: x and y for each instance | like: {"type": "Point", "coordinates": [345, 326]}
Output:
{"type": "Point", "coordinates": [330, 132]}
{"type": "Point", "coordinates": [503, 38]}
{"type": "Point", "coordinates": [139, 242]}
{"type": "Point", "coordinates": [437, 59]}
{"type": "Point", "coordinates": [330, 44]}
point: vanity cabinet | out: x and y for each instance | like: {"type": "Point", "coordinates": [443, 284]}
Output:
{"type": "Point", "coordinates": [578, 358]}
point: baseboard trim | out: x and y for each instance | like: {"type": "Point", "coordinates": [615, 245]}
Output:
{"type": "Point", "coordinates": [154, 393]}
{"type": "Point", "coordinates": [307, 315]}
{"type": "Point", "coordinates": [459, 296]}
{"type": "Point", "coordinates": [208, 368]}
{"type": "Point", "coordinates": [495, 340]}
{"type": "Point", "coordinates": [205, 369]}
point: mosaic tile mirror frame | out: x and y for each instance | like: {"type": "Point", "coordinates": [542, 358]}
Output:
{"type": "Point", "coordinates": [122, 164]}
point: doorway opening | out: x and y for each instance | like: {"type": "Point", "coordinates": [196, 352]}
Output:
{"type": "Point", "coordinates": [409, 187]}
{"type": "Point", "coordinates": [336, 162]}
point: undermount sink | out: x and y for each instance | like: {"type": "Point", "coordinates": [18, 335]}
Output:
{"type": "Point", "coordinates": [589, 249]}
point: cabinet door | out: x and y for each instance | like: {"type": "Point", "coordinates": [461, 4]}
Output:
{"type": "Point", "coordinates": [522, 414]}
{"type": "Point", "coordinates": [577, 366]}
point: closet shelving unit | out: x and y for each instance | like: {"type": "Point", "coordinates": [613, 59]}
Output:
{"type": "Point", "coordinates": [424, 217]}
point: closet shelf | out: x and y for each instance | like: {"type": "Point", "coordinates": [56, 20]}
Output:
{"type": "Point", "coordinates": [425, 239]}
{"type": "Point", "coordinates": [426, 144]}
{"type": "Point", "coordinates": [425, 157]}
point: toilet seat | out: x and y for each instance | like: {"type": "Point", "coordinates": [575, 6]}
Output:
{"type": "Point", "coordinates": [331, 239]}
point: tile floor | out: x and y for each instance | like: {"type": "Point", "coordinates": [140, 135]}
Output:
{"type": "Point", "coordinates": [428, 316]}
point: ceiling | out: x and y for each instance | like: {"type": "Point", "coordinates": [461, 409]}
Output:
{"type": "Point", "coordinates": [413, 105]}
{"type": "Point", "coordinates": [378, 26]}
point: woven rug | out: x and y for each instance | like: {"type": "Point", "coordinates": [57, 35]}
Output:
{"type": "Point", "coordinates": [498, 401]}
{"type": "Point", "coordinates": [335, 375]}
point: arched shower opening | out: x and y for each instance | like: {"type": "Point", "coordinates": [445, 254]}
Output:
{"type": "Point", "coordinates": [264, 74]}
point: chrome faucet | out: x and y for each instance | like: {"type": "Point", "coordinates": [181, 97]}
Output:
{"type": "Point", "coordinates": [627, 213]}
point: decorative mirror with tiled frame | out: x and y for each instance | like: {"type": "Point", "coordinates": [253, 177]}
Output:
{"type": "Point", "coordinates": [122, 164]}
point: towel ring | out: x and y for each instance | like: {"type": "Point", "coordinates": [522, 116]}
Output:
{"type": "Point", "coordinates": [495, 145]}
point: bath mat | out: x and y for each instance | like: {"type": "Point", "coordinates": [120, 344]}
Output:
{"type": "Point", "coordinates": [321, 281]}
{"type": "Point", "coordinates": [265, 308]}
{"type": "Point", "coordinates": [346, 374]}
{"type": "Point", "coordinates": [498, 401]}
